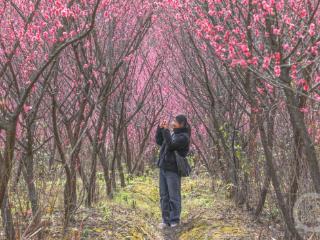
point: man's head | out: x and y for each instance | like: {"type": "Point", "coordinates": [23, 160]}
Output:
{"type": "Point", "coordinates": [180, 121]}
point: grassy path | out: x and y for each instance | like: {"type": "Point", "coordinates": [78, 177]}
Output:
{"type": "Point", "coordinates": [134, 214]}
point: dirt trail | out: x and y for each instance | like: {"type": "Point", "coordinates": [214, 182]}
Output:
{"type": "Point", "coordinates": [134, 214]}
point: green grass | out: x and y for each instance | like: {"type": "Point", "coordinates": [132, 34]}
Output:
{"type": "Point", "coordinates": [134, 212]}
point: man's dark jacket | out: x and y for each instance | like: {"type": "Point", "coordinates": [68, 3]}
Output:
{"type": "Point", "coordinates": [178, 141]}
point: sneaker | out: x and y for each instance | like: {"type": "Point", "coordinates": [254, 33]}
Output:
{"type": "Point", "coordinates": [173, 225]}
{"type": "Point", "coordinates": [163, 225]}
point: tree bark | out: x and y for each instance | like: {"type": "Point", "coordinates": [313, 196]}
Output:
{"type": "Point", "coordinates": [275, 182]}
{"type": "Point", "coordinates": [7, 218]}
{"type": "Point", "coordinates": [299, 126]}
{"type": "Point", "coordinates": [6, 159]}
{"type": "Point", "coordinates": [105, 166]}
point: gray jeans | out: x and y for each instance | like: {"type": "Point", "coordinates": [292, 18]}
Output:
{"type": "Point", "coordinates": [170, 196]}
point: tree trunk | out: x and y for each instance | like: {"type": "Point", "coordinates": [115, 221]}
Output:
{"type": "Point", "coordinates": [263, 194]}
{"type": "Point", "coordinates": [293, 189]}
{"type": "Point", "coordinates": [231, 165]}
{"type": "Point", "coordinates": [93, 176]}
{"type": "Point", "coordinates": [299, 126]}
{"type": "Point", "coordinates": [70, 196]}
{"type": "Point", "coordinates": [275, 182]}
{"type": "Point", "coordinates": [29, 179]}
{"type": "Point", "coordinates": [105, 166]}
{"type": "Point", "coordinates": [128, 152]}
{"type": "Point", "coordinates": [119, 165]}
{"type": "Point", "coordinates": [6, 160]}
{"type": "Point", "coordinates": [7, 218]}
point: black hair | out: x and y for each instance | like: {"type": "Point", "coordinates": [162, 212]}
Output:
{"type": "Point", "coordinates": [182, 119]}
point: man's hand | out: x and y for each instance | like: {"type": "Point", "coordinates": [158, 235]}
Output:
{"type": "Point", "coordinates": [161, 124]}
{"type": "Point", "coordinates": [164, 124]}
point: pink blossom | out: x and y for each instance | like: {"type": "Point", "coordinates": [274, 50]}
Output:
{"type": "Point", "coordinates": [293, 72]}
{"type": "Point", "coordinates": [304, 110]}
{"type": "Point", "coordinates": [286, 46]}
{"type": "Point", "coordinates": [276, 31]}
{"type": "Point", "coordinates": [45, 35]}
{"type": "Point", "coordinates": [277, 70]}
{"type": "Point", "coordinates": [266, 62]}
{"type": "Point", "coordinates": [253, 61]}
{"type": "Point", "coordinates": [269, 87]}
{"type": "Point", "coordinates": [240, 62]}
{"type": "Point", "coordinates": [301, 82]}
{"type": "Point", "coordinates": [260, 90]}
{"type": "Point", "coordinates": [255, 110]}
{"type": "Point", "coordinates": [27, 108]}
{"type": "Point", "coordinates": [312, 31]}
{"type": "Point", "coordinates": [314, 50]}
{"type": "Point", "coordinates": [277, 57]}
{"type": "Point", "coordinates": [303, 13]}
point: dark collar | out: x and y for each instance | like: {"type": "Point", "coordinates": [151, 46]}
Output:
{"type": "Point", "coordinates": [180, 130]}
